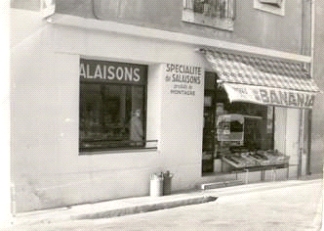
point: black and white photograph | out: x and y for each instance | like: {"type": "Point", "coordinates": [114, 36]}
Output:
{"type": "Point", "coordinates": [135, 115]}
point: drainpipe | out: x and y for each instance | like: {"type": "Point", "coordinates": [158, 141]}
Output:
{"type": "Point", "coordinates": [310, 112]}
{"type": "Point", "coordinates": [302, 113]}
{"type": "Point", "coordinates": [309, 143]}
{"type": "Point", "coordinates": [300, 129]}
{"type": "Point", "coordinates": [312, 2]}
{"type": "Point", "coordinates": [301, 142]}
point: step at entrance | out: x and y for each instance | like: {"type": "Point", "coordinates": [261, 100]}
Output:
{"type": "Point", "coordinates": [221, 184]}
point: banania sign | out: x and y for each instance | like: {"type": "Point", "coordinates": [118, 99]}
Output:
{"type": "Point", "coordinates": [269, 96]}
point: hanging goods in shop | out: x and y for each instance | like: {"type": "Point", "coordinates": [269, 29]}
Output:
{"type": "Point", "coordinates": [230, 128]}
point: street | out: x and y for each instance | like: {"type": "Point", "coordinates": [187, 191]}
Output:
{"type": "Point", "coordinates": [297, 207]}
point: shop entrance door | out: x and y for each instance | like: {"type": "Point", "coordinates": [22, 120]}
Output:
{"type": "Point", "coordinates": [208, 135]}
{"type": "Point", "coordinates": [209, 130]}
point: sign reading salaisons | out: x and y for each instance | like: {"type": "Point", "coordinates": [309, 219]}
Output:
{"type": "Point", "coordinates": [269, 96]}
{"type": "Point", "coordinates": [112, 72]}
{"type": "Point", "coordinates": [183, 78]}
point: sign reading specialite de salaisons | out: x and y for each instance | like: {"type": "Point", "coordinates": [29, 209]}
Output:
{"type": "Point", "coordinates": [183, 79]}
{"type": "Point", "coordinates": [112, 72]}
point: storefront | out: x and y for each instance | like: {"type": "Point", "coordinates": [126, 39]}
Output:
{"type": "Point", "coordinates": [99, 113]}
{"type": "Point", "coordinates": [255, 115]}
{"type": "Point", "coordinates": [105, 114]}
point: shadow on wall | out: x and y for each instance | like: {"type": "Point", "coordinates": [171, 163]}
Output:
{"type": "Point", "coordinates": [317, 153]}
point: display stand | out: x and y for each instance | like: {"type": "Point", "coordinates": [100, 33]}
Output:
{"type": "Point", "coordinates": [246, 169]}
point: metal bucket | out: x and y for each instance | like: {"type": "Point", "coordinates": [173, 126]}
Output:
{"type": "Point", "coordinates": [156, 185]}
{"type": "Point", "coordinates": [167, 179]}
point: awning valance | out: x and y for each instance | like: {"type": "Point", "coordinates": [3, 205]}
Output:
{"type": "Point", "coordinates": [269, 96]}
{"type": "Point", "coordinates": [264, 81]}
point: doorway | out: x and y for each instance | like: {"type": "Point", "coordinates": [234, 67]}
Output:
{"type": "Point", "coordinates": [209, 129]}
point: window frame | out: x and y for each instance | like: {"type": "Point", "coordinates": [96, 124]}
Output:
{"type": "Point", "coordinates": [147, 144]}
{"type": "Point", "coordinates": [190, 16]}
{"type": "Point", "coordinates": [270, 7]}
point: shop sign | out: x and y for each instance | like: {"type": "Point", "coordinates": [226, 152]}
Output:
{"type": "Point", "coordinates": [269, 96]}
{"type": "Point", "coordinates": [112, 72]}
{"type": "Point", "coordinates": [183, 78]}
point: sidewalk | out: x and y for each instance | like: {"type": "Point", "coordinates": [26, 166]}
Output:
{"type": "Point", "coordinates": [135, 205]}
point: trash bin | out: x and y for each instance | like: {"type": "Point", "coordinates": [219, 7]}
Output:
{"type": "Point", "coordinates": [167, 177]}
{"type": "Point", "coordinates": [156, 185]}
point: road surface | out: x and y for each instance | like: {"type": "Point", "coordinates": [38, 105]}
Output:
{"type": "Point", "coordinates": [295, 208]}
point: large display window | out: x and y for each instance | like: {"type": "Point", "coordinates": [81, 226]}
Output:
{"type": "Point", "coordinates": [245, 124]}
{"type": "Point", "coordinates": [245, 137]}
{"type": "Point", "coordinates": [112, 105]}
{"type": "Point", "coordinates": [243, 133]}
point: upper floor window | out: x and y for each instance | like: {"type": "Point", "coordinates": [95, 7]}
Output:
{"type": "Point", "coordinates": [275, 3]}
{"type": "Point", "coordinates": [214, 13]}
{"type": "Point", "coordinates": [271, 6]}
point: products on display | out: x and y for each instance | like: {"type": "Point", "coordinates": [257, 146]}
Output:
{"type": "Point", "coordinates": [230, 128]}
{"type": "Point", "coordinates": [255, 158]}
{"type": "Point", "coordinates": [239, 146]}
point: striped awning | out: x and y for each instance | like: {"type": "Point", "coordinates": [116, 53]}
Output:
{"type": "Point", "coordinates": [278, 82]}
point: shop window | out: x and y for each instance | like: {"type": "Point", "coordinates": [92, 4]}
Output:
{"type": "Point", "coordinates": [243, 130]}
{"type": "Point", "coordinates": [112, 106]}
{"type": "Point", "coordinates": [213, 13]}
{"type": "Point", "coordinates": [244, 124]}
{"type": "Point", "coordinates": [238, 135]}
{"type": "Point", "coordinates": [245, 137]}
{"type": "Point", "coordinates": [271, 6]}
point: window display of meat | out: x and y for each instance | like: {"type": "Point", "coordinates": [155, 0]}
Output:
{"type": "Point", "coordinates": [249, 161]}
{"type": "Point", "coordinates": [234, 161]}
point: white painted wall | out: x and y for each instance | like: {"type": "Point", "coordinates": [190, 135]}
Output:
{"type": "Point", "coordinates": [154, 104]}
{"type": "Point", "coordinates": [47, 169]}
{"type": "Point", "coordinates": [5, 213]}
{"type": "Point", "coordinates": [181, 131]}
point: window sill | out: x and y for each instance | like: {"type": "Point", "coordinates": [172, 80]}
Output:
{"type": "Point", "coordinates": [117, 151]}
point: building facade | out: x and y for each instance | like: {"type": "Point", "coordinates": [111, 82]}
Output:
{"type": "Point", "coordinates": [317, 134]}
{"type": "Point", "coordinates": [106, 93]}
